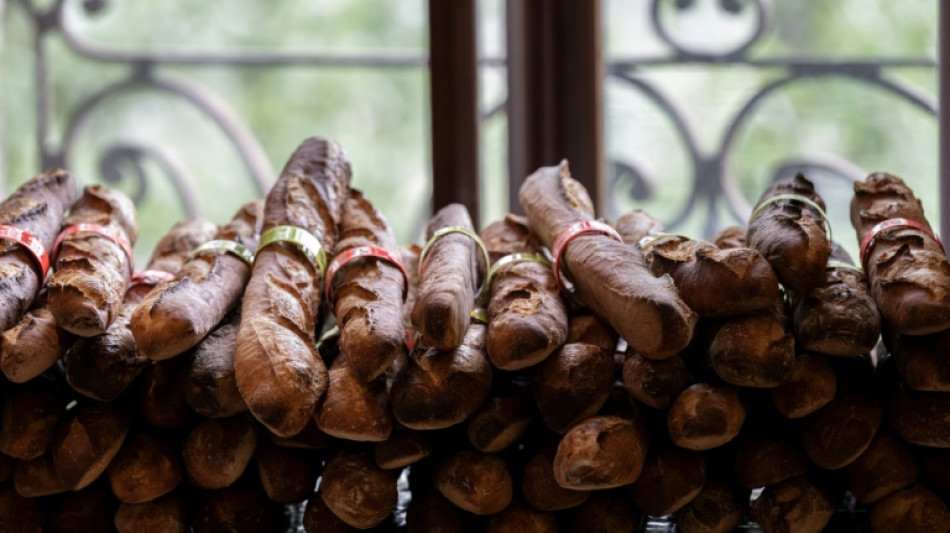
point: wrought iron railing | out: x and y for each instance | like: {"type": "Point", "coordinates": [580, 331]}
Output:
{"type": "Point", "coordinates": [712, 181]}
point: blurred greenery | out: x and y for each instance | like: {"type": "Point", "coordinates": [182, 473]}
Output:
{"type": "Point", "coordinates": [848, 122]}
{"type": "Point", "coordinates": [381, 115]}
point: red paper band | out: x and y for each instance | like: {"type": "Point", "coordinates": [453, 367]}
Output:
{"type": "Point", "coordinates": [110, 233]}
{"type": "Point", "coordinates": [872, 234]}
{"type": "Point", "coordinates": [410, 342]}
{"type": "Point", "coordinates": [150, 277]}
{"type": "Point", "coordinates": [357, 253]}
{"type": "Point", "coordinates": [568, 234]}
{"type": "Point", "coordinates": [30, 242]}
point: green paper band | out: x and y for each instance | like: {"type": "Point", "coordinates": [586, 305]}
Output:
{"type": "Point", "coordinates": [794, 198]}
{"type": "Point", "coordinates": [513, 258]}
{"type": "Point", "coordinates": [841, 264]}
{"type": "Point", "coordinates": [302, 239]}
{"type": "Point", "coordinates": [442, 232]}
{"type": "Point", "coordinates": [479, 315]}
{"type": "Point", "coordinates": [232, 247]}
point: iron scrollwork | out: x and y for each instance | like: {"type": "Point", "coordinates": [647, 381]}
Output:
{"type": "Point", "coordinates": [710, 181]}
{"type": "Point", "coordinates": [124, 162]}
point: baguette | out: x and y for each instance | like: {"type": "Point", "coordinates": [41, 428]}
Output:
{"type": "Point", "coordinates": [160, 393]}
{"type": "Point", "coordinates": [448, 273]}
{"type": "Point", "coordinates": [601, 452]}
{"type": "Point", "coordinates": [671, 478]}
{"type": "Point", "coordinates": [368, 294]}
{"type": "Point", "coordinates": [810, 386]}
{"type": "Point", "coordinates": [357, 491]}
{"type": "Point", "coordinates": [36, 206]}
{"type": "Point", "coordinates": [915, 509]}
{"type": "Point", "coordinates": [20, 514]}
{"type": "Point", "coordinates": [279, 372]}
{"type": "Point", "coordinates": [541, 490]}
{"type": "Point", "coordinates": [92, 270]}
{"type": "Point", "coordinates": [167, 514]}
{"type": "Point", "coordinates": [906, 265]}
{"type": "Point", "coordinates": [519, 518]}
{"type": "Point", "coordinates": [609, 276]}
{"type": "Point", "coordinates": [795, 504]}
{"type": "Point", "coordinates": [147, 467]}
{"type": "Point", "coordinates": [87, 442]}
{"type": "Point", "coordinates": [34, 344]}
{"type": "Point", "coordinates": [236, 510]}
{"type": "Point", "coordinates": [837, 317]}
{"type": "Point", "coordinates": [437, 389]}
{"type": "Point", "coordinates": [353, 409]}
{"type": "Point", "coordinates": [606, 511]}
{"type": "Point", "coordinates": [175, 316]}
{"type": "Point", "coordinates": [210, 385]}
{"type": "Point", "coordinates": [573, 384]}
{"type": "Point", "coordinates": [718, 508]}
{"type": "Point", "coordinates": [216, 452]}
{"type": "Point", "coordinates": [90, 509]}
{"type": "Point", "coordinates": [527, 320]}
{"type": "Point", "coordinates": [788, 229]}
{"type": "Point", "coordinates": [705, 416]}
{"type": "Point", "coordinates": [29, 416]}
{"type": "Point", "coordinates": [887, 466]}
{"type": "Point", "coordinates": [287, 475]}
{"type": "Point", "coordinates": [102, 367]}
{"type": "Point", "coordinates": [477, 482]}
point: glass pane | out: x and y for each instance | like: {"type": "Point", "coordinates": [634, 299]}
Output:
{"type": "Point", "coordinates": [708, 101]}
{"type": "Point", "coordinates": [197, 103]}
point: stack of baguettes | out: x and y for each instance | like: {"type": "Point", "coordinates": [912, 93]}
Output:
{"type": "Point", "coordinates": [552, 373]}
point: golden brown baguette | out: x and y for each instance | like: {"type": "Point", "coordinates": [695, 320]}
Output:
{"type": "Point", "coordinates": [216, 452]}
{"type": "Point", "coordinates": [609, 276]}
{"type": "Point", "coordinates": [34, 344]}
{"type": "Point", "coordinates": [601, 452]}
{"type": "Point", "coordinates": [36, 206]}
{"type": "Point", "coordinates": [87, 442]}
{"type": "Point", "coordinates": [477, 482]}
{"type": "Point", "coordinates": [278, 370]}
{"type": "Point", "coordinates": [104, 366]}
{"type": "Point", "coordinates": [357, 491]}
{"type": "Point", "coordinates": [368, 293]}
{"type": "Point", "coordinates": [28, 418]}
{"type": "Point", "coordinates": [147, 467]}
{"type": "Point", "coordinates": [527, 319]}
{"type": "Point", "coordinates": [788, 229]}
{"type": "Point", "coordinates": [179, 313]}
{"type": "Point", "coordinates": [92, 270]}
{"type": "Point", "coordinates": [353, 409]}
{"type": "Point", "coordinates": [210, 385]}
{"type": "Point", "coordinates": [448, 274]}
{"type": "Point", "coordinates": [906, 265]}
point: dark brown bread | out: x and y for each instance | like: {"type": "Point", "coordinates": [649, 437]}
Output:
{"type": "Point", "coordinates": [500, 423]}
{"type": "Point", "coordinates": [768, 453]}
{"type": "Point", "coordinates": [718, 508]}
{"type": "Point", "coordinates": [176, 315]}
{"type": "Point", "coordinates": [601, 452]}
{"type": "Point", "coordinates": [278, 370]}
{"type": "Point", "coordinates": [888, 465]}
{"type": "Point", "coordinates": [104, 366]}
{"type": "Point", "coordinates": [838, 433]}
{"type": "Point", "coordinates": [160, 393]}
{"type": "Point", "coordinates": [730, 237]}
{"type": "Point", "coordinates": [793, 505]}
{"type": "Point", "coordinates": [671, 478]}
{"type": "Point", "coordinates": [477, 482]}
{"type": "Point", "coordinates": [35, 478]}
{"type": "Point", "coordinates": [19, 514]}
{"type": "Point", "coordinates": [147, 467]}
{"type": "Point", "coordinates": [539, 488]}
{"type": "Point", "coordinates": [705, 416]}
{"type": "Point", "coordinates": [6, 467]}
{"type": "Point", "coordinates": [318, 518]}
{"type": "Point", "coordinates": [430, 512]}
{"type": "Point", "coordinates": [655, 383]}
{"type": "Point", "coordinates": [713, 282]}
{"type": "Point", "coordinates": [36, 206]}
{"type": "Point", "coordinates": [610, 277]}
{"type": "Point", "coordinates": [210, 385]}
{"type": "Point", "coordinates": [810, 386]}
{"type": "Point", "coordinates": [448, 274]}
{"type": "Point", "coordinates": [91, 272]}
{"type": "Point", "coordinates": [837, 316]}
{"type": "Point", "coordinates": [906, 267]}
{"type": "Point", "coordinates": [915, 509]}
{"type": "Point", "coordinates": [403, 448]}
{"type": "Point", "coordinates": [236, 510]}
{"type": "Point", "coordinates": [922, 360]}
{"type": "Point", "coordinates": [922, 418]}
{"type": "Point", "coordinates": [368, 292]}
{"type": "Point", "coordinates": [357, 491]}
{"type": "Point", "coordinates": [216, 452]}
{"type": "Point", "coordinates": [755, 350]}
{"type": "Point", "coordinates": [288, 475]}
{"type": "Point", "coordinates": [573, 384]}
{"type": "Point", "coordinates": [354, 409]}
{"type": "Point", "coordinates": [438, 389]}
{"type": "Point", "coordinates": [90, 509]}
{"type": "Point", "coordinates": [166, 514]}
{"type": "Point", "coordinates": [527, 320]}
{"type": "Point", "coordinates": [519, 518]}
{"type": "Point", "coordinates": [34, 344]}
{"type": "Point", "coordinates": [29, 415]}
{"type": "Point", "coordinates": [790, 233]}
{"type": "Point", "coordinates": [606, 511]}
{"type": "Point", "coordinates": [87, 442]}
